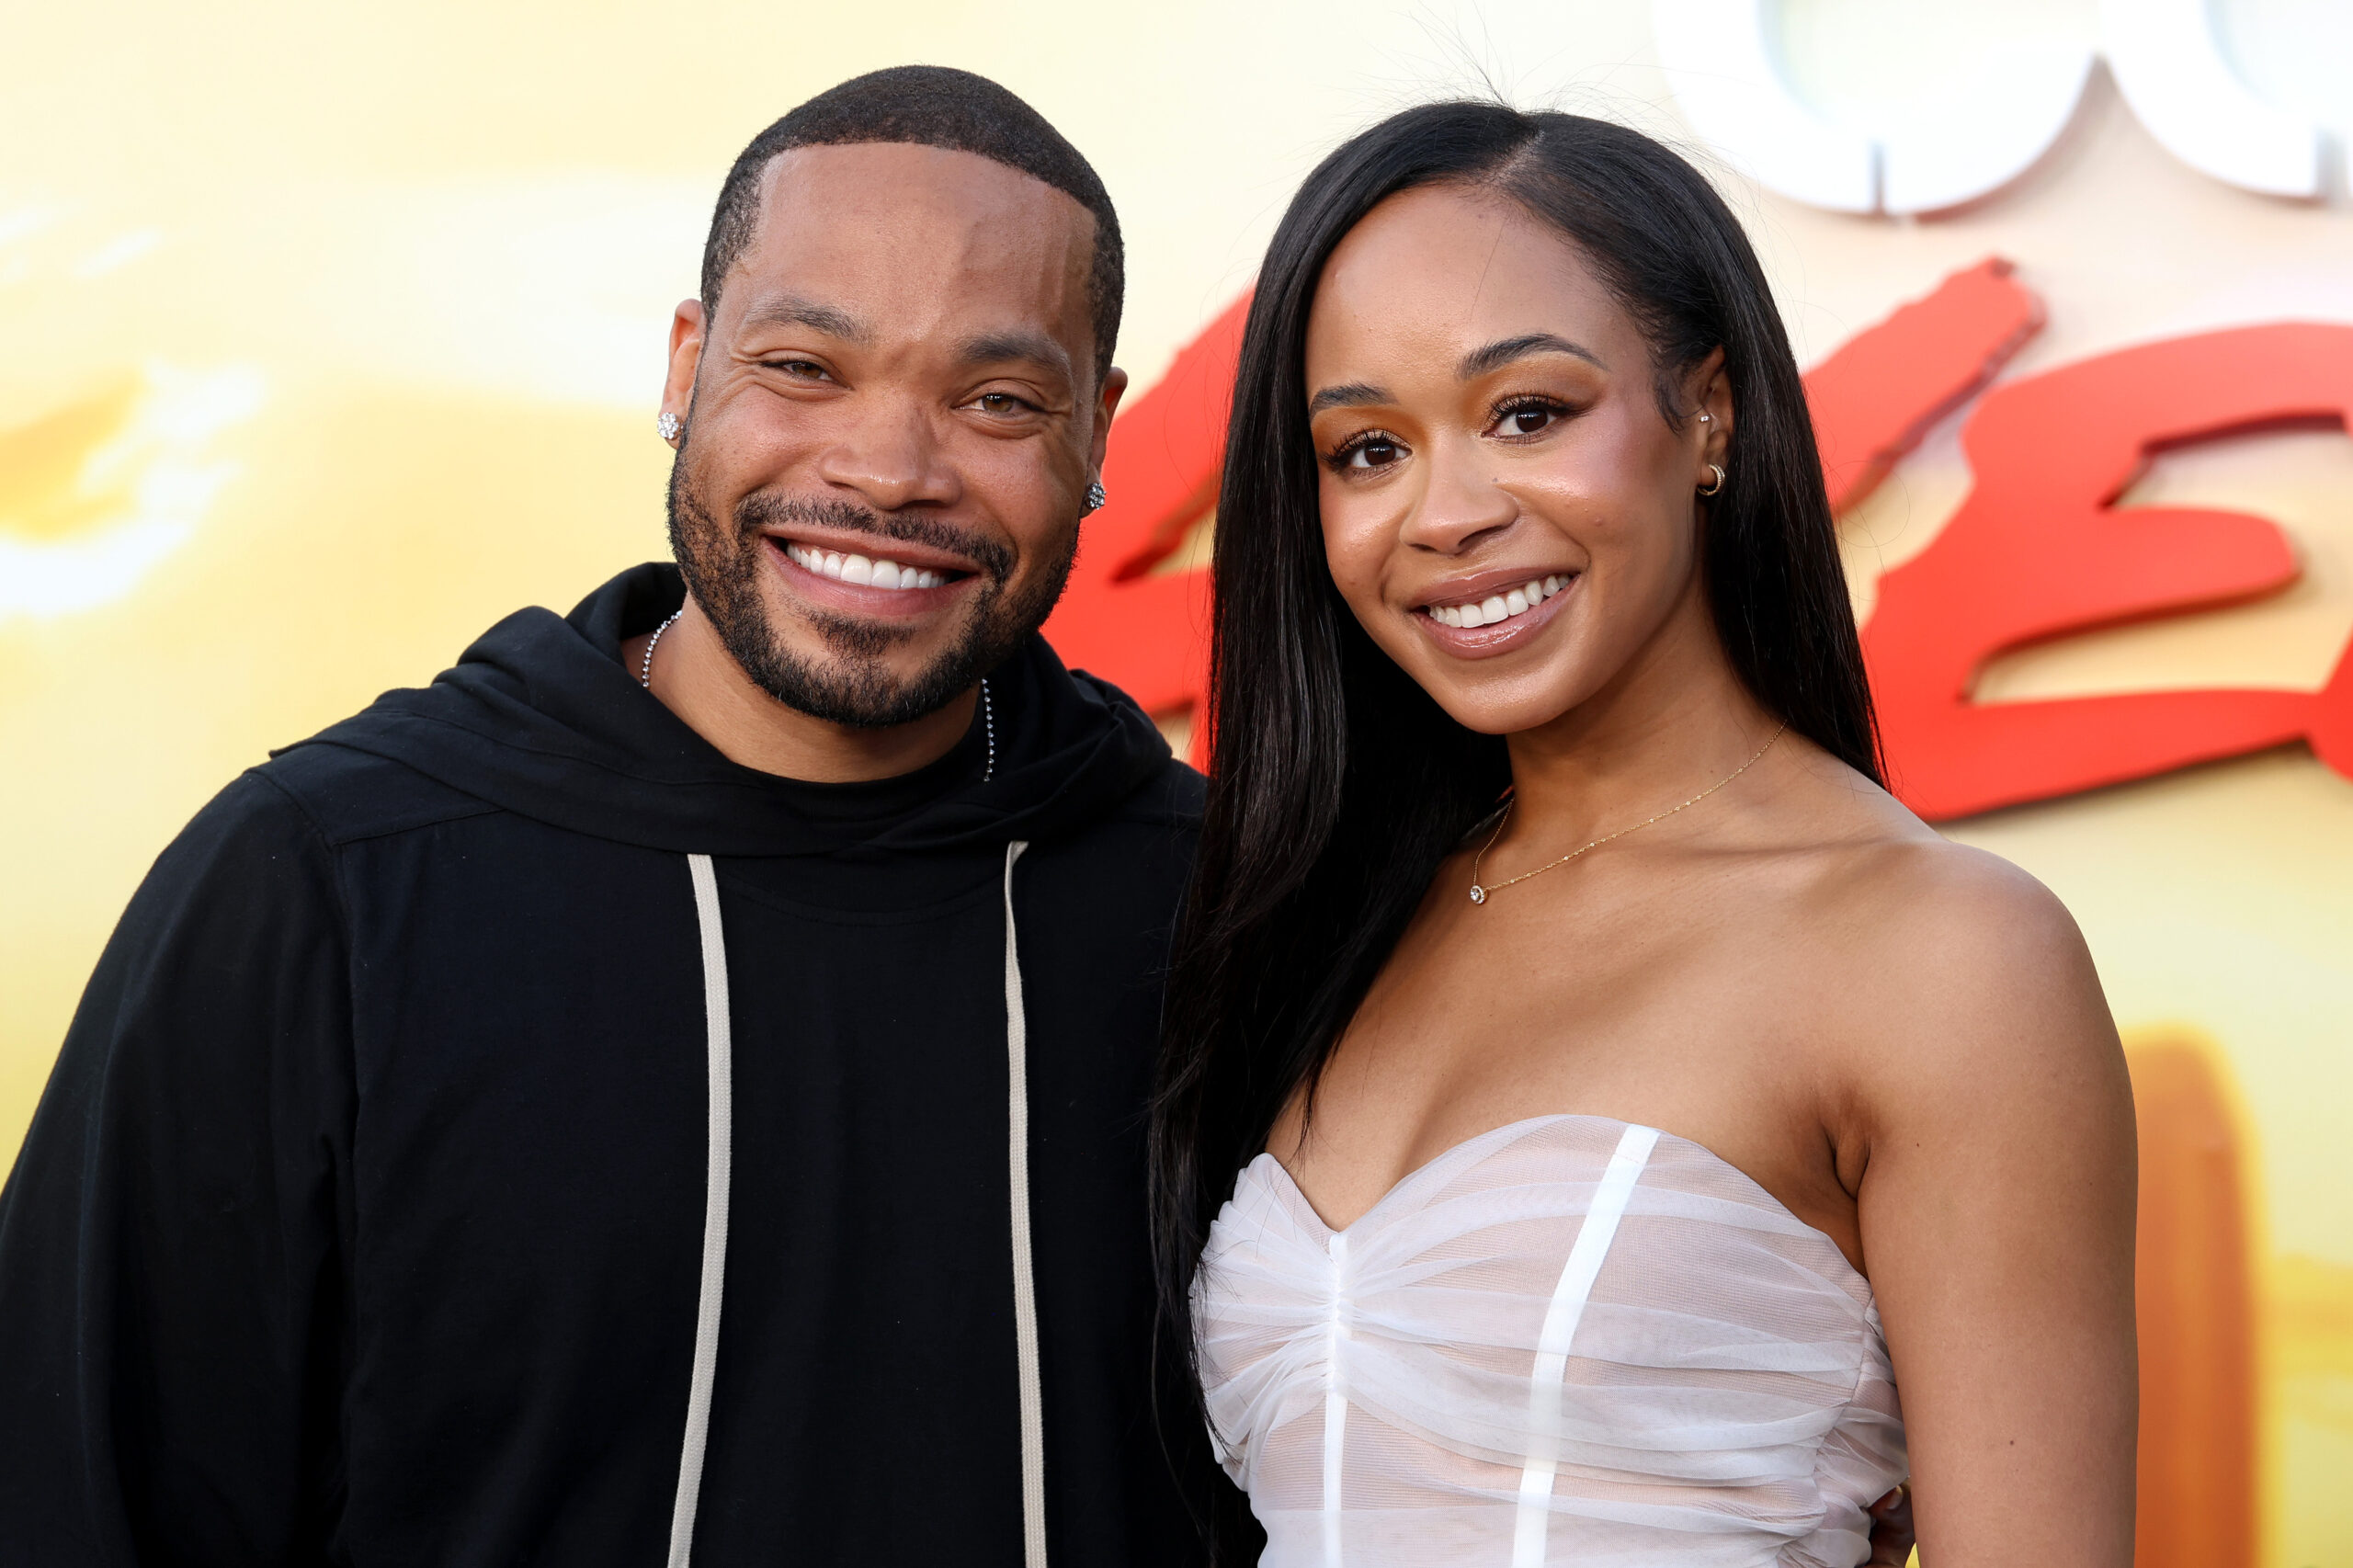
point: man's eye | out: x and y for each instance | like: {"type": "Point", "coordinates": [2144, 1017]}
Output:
{"type": "Point", "coordinates": [807, 369]}
{"type": "Point", "coordinates": [1000, 402]}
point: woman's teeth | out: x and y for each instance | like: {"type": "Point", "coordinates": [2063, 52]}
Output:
{"type": "Point", "coordinates": [1500, 607]}
{"type": "Point", "coordinates": [858, 569]}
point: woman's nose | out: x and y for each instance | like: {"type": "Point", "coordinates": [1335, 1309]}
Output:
{"type": "Point", "coordinates": [1461, 502]}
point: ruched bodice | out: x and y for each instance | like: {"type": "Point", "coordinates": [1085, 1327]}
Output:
{"type": "Point", "coordinates": [1570, 1341]}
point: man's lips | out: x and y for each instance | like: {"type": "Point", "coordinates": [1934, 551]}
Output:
{"type": "Point", "coordinates": [875, 572]}
{"type": "Point", "coordinates": [891, 585]}
{"type": "Point", "coordinates": [847, 542]}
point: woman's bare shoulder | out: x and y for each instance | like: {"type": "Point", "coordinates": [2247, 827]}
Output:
{"type": "Point", "coordinates": [1876, 874]}
{"type": "Point", "coordinates": [1963, 978]}
{"type": "Point", "coordinates": [1950, 910]}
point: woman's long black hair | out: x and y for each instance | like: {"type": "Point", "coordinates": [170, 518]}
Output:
{"type": "Point", "coordinates": [1338, 785]}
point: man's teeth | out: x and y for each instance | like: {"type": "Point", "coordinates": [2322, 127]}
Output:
{"type": "Point", "coordinates": [1500, 607]}
{"type": "Point", "coordinates": [858, 569]}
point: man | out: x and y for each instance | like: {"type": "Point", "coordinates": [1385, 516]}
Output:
{"type": "Point", "coordinates": [673, 1087]}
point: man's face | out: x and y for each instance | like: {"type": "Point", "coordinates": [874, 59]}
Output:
{"type": "Point", "coordinates": [892, 423]}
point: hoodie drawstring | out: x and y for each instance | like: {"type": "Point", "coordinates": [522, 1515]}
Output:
{"type": "Point", "coordinates": [714, 1224]}
{"type": "Point", "coordinates": [720, 1057]}
{"type": "Point", "coordinates": [1025, 1280]}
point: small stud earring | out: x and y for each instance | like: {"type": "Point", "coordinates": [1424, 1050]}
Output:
{"type": "Point", "coordinates": [1096, 497]}
{"type": "Point", "coordinates": [669, 424]}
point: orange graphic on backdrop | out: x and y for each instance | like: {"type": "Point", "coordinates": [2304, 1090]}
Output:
{"type": "Point", "coordinates": [2194, 1286]}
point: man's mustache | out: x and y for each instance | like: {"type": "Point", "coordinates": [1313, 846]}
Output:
{"type": "Point", "coordinates": [757, 511]}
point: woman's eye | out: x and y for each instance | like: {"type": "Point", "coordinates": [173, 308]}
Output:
{"type": "Point", "coordinates": [1526, 421]}
{"type": "Point", "coordinates": [1372, 454]}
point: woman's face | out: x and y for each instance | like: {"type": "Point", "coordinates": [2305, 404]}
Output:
{"type": "Point", "coordinates": [1505, 509]}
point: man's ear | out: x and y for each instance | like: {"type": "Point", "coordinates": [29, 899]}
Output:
{"type": "Point", "coordinates": [1107, 404]}
{"type": "Point", "coordinates": [686, 357]}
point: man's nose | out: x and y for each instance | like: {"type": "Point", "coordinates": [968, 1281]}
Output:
{"type": "Point", "coordinates": [892, 459]}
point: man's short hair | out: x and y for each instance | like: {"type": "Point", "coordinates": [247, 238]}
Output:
{"type": "Point", "coordinates": [927, 105]}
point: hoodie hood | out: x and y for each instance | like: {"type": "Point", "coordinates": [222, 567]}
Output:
{"type": "Point", "coordinates": [539, 718]}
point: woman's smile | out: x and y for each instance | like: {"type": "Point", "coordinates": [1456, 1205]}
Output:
{"type": "Point", "coordinates": [1493, 611]}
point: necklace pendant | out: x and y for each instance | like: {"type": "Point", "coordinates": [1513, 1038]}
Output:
{"type": "Point", "coordinates": [1478, 894]}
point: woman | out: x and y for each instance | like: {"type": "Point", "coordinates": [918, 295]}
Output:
{"type": "Point", "coordinates": [1627, 1093]}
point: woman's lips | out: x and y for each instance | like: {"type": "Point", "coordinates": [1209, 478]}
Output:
{"type": "Point", "coordinates": [1486, 641]}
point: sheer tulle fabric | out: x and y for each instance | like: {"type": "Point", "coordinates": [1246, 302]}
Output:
{"type": "Point", "coordinates": [1717, 1389]}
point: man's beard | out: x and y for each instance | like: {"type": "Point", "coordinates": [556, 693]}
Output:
{"type": "Point", "coordinates": [722, 566]}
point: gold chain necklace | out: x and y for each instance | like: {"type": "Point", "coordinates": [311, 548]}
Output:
{"type": "Point", "coordinates": [1478, 890]}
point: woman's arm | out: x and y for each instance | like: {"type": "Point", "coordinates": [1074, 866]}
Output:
{"type": "Point", "coordinates": [1997, 1207]}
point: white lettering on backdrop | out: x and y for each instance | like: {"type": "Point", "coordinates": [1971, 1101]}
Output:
{"type": "Point", "coordinates": [2165, 54]}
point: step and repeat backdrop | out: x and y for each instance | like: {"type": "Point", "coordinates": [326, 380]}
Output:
{"type": "Point", "coordinates": [329, 336]}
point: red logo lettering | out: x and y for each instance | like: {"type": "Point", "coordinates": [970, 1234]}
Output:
{"type": "Point", "coordinates": [2038, 550]}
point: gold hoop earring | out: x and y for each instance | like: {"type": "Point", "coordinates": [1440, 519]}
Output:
{"type": "Point", "coordinates": [1719, 484]}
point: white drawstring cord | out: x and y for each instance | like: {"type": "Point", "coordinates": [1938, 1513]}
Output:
{"type": "Point", "coordinates": [714, 1234]}
{"type": "Point", "coordinates": [1024, 1283]}
{"type": "Point", "coordinates": [720, 1057]}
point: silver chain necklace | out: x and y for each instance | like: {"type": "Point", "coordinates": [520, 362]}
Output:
{"type": "Point", "coordinates": [646, 667]}
{"type": "Point", "coordinates": [988, 705]}
{"type": "Point", "coordinates": [988, 723]}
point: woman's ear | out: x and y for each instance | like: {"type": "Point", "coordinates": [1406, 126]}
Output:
{"type": "Point", "coordinates": [1709, 395]}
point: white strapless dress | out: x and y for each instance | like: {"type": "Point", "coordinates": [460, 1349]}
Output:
{"type": "Point", "coordinates": [1570, 1340]}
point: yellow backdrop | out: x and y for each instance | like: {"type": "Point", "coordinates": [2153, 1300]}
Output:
{"type": "Point", "coordinates": [330, 334]}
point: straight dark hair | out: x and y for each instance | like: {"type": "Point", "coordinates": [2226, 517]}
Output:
{"type": "Point", "coordinates": [1338, 785]}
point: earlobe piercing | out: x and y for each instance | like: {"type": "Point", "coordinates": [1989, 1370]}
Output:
{"type": "Point", "coordinates": [1719, 484]}
{"type": "Point", "coordinates": [1096, 497]}
{"type": "Point", "coordinates": [669, 424]}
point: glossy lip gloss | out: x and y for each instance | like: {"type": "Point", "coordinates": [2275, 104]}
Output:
{"type": "Point", "coordinates": [1486, 641]}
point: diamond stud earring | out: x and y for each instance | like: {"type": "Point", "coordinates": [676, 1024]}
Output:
{"type": "Point", "coordinates": [669, 424]}
{"type": "Point", "coordinates": [1096, 497]}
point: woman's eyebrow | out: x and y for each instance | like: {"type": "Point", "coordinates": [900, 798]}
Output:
{"type": "Point", "coordinates": [1502, 351]}
{"type": "Point", "coordinates": [1477, 363]}
{"type": "Point", "coordinates": [1348, 394]}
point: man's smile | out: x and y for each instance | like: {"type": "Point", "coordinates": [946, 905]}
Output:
{"type": "Point", "coordinates": [880, 573]}
{"type": "Point", "coordinates": [854, 573]}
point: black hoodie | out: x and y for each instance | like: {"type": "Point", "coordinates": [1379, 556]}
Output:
{"type": "Point", "coordinates": [503, 1130]}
